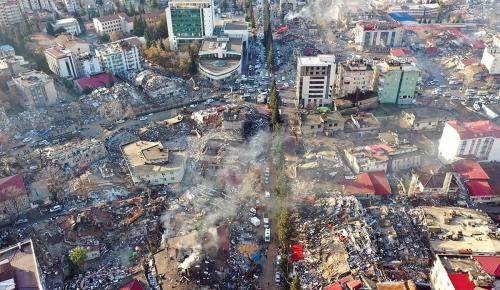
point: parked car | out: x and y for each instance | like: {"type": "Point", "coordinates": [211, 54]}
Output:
{"type": "Point", "coordinates": [55, 208]}
{"type": "Point", "coordinates": [267, 235]}
{"type": "Point", "coordinates": [277, 278]}
{"type": "Point", "coordinates": [21, 221]}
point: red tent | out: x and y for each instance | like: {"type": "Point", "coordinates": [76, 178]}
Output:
{"type": "Point", "coordinates": [297, 253]}
{"type": "Point", "coordinates": [132, 285]}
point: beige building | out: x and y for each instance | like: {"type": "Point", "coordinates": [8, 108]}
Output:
{"type": "Point", "coordinates": [116, 22]}
{"type": "Point", "coordinates": [354, 75]}
{"type": "Point", "coordinates": [456, 230]}
{"type": "Point", "coordinates": [312, 123]}
{"type": "Point", "coordinates": [150, 163]}
{"type": "Point", "coordinates": [61, 62]}
{"type": "Point", "coordinates": [36, 88]}
{"type": "Point", "coordinates": [78, 153]}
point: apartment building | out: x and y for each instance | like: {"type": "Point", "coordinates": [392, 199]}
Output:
{"type": "Point", "coordinates": [61, 62]}
{"type": "Point", "coordinates": [378, 35]}
{"type": "Point", "coordinates": [383, 157]}
{"type": "Point", "coordinates": [10, 13]}
{"type": "Point", "coordinates": [34, 5]}
{"type": "Point", "coordinates": [71, 6]}
{"type": "Point", "coordinates": [120, 56]}
{"type": "Point", "coordinates": [396, 83]}
{"type": "Point", "coordinates": [189, 20]}
{"type": "Point", "coordinates": [73, 154]}
{"type": "Point", "coordinates": [71, 26]}
{"type": "Point", "coordinates": [36, 88]}
{"type": "Point", "coordinates": [315, 80]}
{"type": "Point", "coordinates": [354, 75]}
{"type": "Point", "coordinates": [491, 60]}
{"type": "Point", "coordinates": [116, 22]}
{"type": "Point", "coordinates": [152, 164]}
{"type": "Point", "coordinates": [479, 140]}
{"type": "Point", "coordinates": [87, 64]}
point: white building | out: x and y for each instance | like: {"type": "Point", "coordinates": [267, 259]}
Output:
{"type": "Point", "coordinates": [189, 20]}
{"type": "Point", "coordinates": [236, 29]}
{"type": "Point", "coordinates": [10, 13]}
{"type": "Point", "coordinates": [480, 139]}
{"type": "Point", "coordinates": [87, 64]}
{"type": "Point", "coordinates": [315, 80]}
{"type": "Point", "coordinates": [71, 26]}
{"type": "Point", "coordinates": [72, 6]}
{"type": "Point", "coordinates": [354, 75]}
{"type": "Point", "coordinates": [120, 56]}
{"type": "Point", "coordinates": [36, 88]}
{"type": "Point", "coordinates": [61, 62]}
{"type": "Point", "coordinates": [376, 35]}
{"type": "Point", "coordinates": [151, 164]}
{"type": "Point", "coordinates": [116, 22]}
{"type": "Point", "coordinates": [491, 59]}
{"type": "Point", "coordinates": [220, 57]}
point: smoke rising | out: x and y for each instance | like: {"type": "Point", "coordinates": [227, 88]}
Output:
{"type": "Point", "coordinates": [216, 198]}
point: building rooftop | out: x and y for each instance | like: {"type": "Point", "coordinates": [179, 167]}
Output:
{"type": "Point", "coordinates": [11, 187]}
{"type": "Point", "coordinates": [57, 52]}
{"type": "Point", "coordinates": [470, 170]}
{"type": "Point", "coordinates": [112, 17]}
{"type": "Point", "coordinates": [19, 267]}
{"type": "Point", "coordinates": [378, 25]}
{"type": "Point", "coordinates": [145, 156]}
{"type": "Point", "coordinates": [222, 43]}
{"type": "Point", "coordinates": [460, 230]}
{"type": "Point", "coordinates": [97, 81]}
{"type": "Point", "coordinates": [490, 264]}
{"type": "Point", "coordinates": [368, 183]}
{"type": "Point", "coordinates": [465, 273]}
{"type": "Point", "coordinates": [235, 25]}
{"type": "Point", "coordinates": [484, 128]}
{"type": "Point", "coordinates": [66, 21]}
{"type": "Point", "coordinates": [33, 77]}
{"type": "Point", "coordinates": [318, 60]}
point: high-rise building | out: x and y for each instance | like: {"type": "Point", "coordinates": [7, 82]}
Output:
{"type": "Point", "coordinates": [120, 56]}
{"type": "Point", "coordinates": [189, 20]}
{"type": "Point", "coordinates": [396, 83]}
{"type": "Point", "coordinates": [480, 139]}
{"type": "Point", "coordinates": [353, 75]}
{"type": "Point", "coordinates": [315, 80]}
{"type": "Point", "coordinates": [10, 13]}
{"type": "Point", "coordinates": [378, 35]}
{"type": "Point", "coordinates": [61, 62]}
{"type": "Point", "coordinates": [36, 88]}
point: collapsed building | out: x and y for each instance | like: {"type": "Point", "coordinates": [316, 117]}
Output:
{"type": "Point", "coordinates": [157, 86]}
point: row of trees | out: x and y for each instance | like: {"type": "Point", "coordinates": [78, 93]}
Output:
{"type": "Point", "coordinates": [250, 15]}
{"type": "Point", "coordinates": [180, 62]}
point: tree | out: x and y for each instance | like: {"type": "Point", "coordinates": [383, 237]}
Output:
{"type": "Point", "coordinates": [162, 29]}
{"type": "Point", "coordinates": [77, 257]}
{"type": "Point", "coordinates": [284, 267]}
{"type": "Point", "coordinates": [270, 60]}
{"type": "Point", "coordinates": [267, 23]}
{"type": "Point", "coordinates": [116, 35]}
{"type": "Point", "coordinates": [104, 38]}
{"type": "Point", "coordinates": [139, 26]}
{"type": "Point", "coordinates": [50, 29]}
{"type": "Point", "coordinates": [296, 283]}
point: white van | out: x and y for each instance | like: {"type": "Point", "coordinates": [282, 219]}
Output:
{"type": "Point", "coordinates": [267, 235]}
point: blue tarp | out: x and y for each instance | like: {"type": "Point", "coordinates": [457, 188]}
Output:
{"type": "Point", "coordinates": [402, 17]}
{"type": "Point", "coordinates": [256, 256]}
